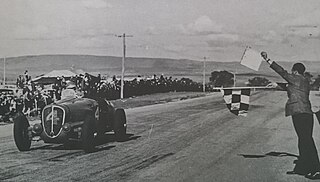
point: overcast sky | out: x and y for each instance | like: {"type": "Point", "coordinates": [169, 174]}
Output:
{"type": "Point", "coordinates": [192, 29]}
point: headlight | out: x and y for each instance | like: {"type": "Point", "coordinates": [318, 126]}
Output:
{"type": "Point", "coordinates": [37, 129]}
{"type": "Point", "coordinates": [66, 127]}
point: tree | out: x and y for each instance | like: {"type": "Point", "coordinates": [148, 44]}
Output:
{"type": "Point", "coordinates": [221, 78]}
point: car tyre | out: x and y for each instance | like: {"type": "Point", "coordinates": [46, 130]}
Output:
{"type": "Point", "coordinates": [87, 135]}
{"type": "Point", "coordinates": [20, 132]}
{"type": "Point", "coordinates": [120, 124]}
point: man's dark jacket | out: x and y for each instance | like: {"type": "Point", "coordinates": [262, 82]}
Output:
{"type": "Point", "coordinates": [298, 90]}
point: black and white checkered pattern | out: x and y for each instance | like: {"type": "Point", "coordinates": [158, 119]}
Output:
{"type": "Point", "coordinates": [237, 100]}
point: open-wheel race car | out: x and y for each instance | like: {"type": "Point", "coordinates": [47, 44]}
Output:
{"type": "Point", "coordinates": [67, 120]}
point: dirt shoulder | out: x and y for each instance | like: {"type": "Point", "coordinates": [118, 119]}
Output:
{"type": "Point", "coordinates": [156, 99]}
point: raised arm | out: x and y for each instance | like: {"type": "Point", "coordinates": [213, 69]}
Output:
{"type": "Point", "coordinates": [277, 68]}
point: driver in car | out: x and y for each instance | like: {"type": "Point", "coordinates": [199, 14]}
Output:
{"type": "Point", "coordinates": [71, 92]}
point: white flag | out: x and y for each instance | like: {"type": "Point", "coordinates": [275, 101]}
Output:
{"type": "Point", "coordinates": [251, 59]}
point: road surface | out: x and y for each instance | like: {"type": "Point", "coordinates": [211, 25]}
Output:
{"type": "Point", "coordinates": [190, 140]}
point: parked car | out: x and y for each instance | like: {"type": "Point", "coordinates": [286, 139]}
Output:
{"type": "Point", "coordinates": [7, 98]}
{"type": "Point", "coordinates": [80, 119]}
{"type": "Point", "coordinates": [7, 92]}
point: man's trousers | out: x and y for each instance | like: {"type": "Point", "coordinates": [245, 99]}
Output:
{"type": "Point", "coordinates": [308, 156]}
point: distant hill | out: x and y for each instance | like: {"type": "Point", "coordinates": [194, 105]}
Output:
{"type": "Point", "coordinates": [109, 66]}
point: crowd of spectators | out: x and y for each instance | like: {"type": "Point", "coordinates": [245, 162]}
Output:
{"type": "Point", "coordinates": [94, 87]}
{"type": "Point", "coordinates": [144, 86]}
{"type": "Point", "coordinates": [27, 97]}
{"type": "Point", "coordinates": [23, 80]}
{"type": "Point", "coordinates": [27, 100]}
{"type": "Point", "coordinates": [30, 98]}
{"type": "Point", "coordinates": [8, 104]}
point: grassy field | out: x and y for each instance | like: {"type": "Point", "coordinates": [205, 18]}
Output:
{"type": "Point", "coordinates": [156, 99]}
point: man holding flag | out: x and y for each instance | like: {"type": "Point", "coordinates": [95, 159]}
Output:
{"type": "Point", "coordinates": [298, 107]}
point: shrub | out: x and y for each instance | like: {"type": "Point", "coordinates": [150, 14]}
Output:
{"type": "Point", "coordinates": [258, 81]}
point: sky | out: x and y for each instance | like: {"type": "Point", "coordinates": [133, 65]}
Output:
{"type": "Point", "coordinates": [289, 30]}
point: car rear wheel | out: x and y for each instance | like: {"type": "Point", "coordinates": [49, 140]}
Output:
{"type": "Point", "coordinates": [87, 135]}
{"type": "Point", "coordinates": [120, 124]}
{"type": "Point", "coordinates": [20, 132]}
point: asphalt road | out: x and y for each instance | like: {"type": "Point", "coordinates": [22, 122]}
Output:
{"type": "Point", "coordinates": [190, 140]}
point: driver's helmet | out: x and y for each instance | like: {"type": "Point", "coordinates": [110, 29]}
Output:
{"type": "Point", "coordinates": [71, 85]}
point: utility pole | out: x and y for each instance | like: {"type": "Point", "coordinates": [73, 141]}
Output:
{"type": "Point", "coordinates": [123, 60]}
{"type": "Point", "coordinates": [4, 71]}
{"type": "Point", "coordinates": [204, 74]}
{"type": "Point", "coordinates": [234, 78]}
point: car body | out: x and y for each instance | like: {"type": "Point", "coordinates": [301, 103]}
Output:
{"type": "Point", "coordinates": [81, 119]}
{"type": "Point", "coordinates": [7, 92]}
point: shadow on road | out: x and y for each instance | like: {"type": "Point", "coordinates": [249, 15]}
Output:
{"type": "Point", "coordinates": [99, 142]}
{"type": "Point", "coordinates": [273, 154]}
{"type": "Point", "coordinates": [108, 138]}
{"type": "Point", "coordinates": [313, 176]}
{"type": "Point", "coordinates": [71, 155]}
{"type": "Point", "coordinates": [256, 106]}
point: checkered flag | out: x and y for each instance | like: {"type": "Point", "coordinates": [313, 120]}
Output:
{"type": "Point", "coordinates": [237, 100]}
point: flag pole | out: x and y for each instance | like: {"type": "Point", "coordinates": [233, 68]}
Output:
{"type": "Point", "coordinates": [257, 87]}
{"type": "Point", "coordinates": [234, 74]}
{"type": "Point", "coordinates": [234, 78]}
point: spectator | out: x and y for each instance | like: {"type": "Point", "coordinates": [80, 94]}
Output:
{"type": "Point", "coordinates": [26, 76]}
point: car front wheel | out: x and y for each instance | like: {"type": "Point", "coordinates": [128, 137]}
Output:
{"type": "Point", "coordinates": [120, 124]}
{"type": "Point", "coordinates": [20, 132]}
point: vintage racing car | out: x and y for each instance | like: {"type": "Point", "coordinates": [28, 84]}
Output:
{"type": "Point", "coordinates": [80, 119]}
